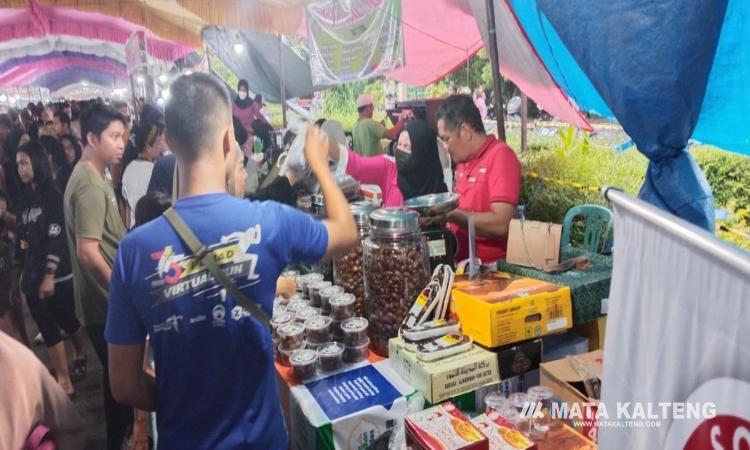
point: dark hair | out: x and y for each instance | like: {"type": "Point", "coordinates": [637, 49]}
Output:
{"type": "Point", "coordinates": [6, 120]}
{"type": "Point", "coordinates": [33, 130]}
{"type": "Point", "coordinates": [76, 147]}
{"type": "Point", "coordinates": [258, 99]}
{"type": "Point", "coordinates": [151, 206]}
{"type": "Point", "coordinates": [362, 108]}
{"type": "Point", "coordinates": [54, 148]}
{"type": "Point", "coordinates": [458, 109]}
{"type": "Point", "coordinates": [240, 133]}
{"type": "Point", "coordinates": [39, 164]}
{"type": "Point", "coordinates": [97, 118]}
{"type": "Point", "coordinates": [319, 123]}
{"type": "Point", "coordinates": [197, 108]}
{"type": "Point", "coordinates": [146, 134]}
{"type": "Point", "coordinates": [62, 116]}
{"type": "Point", "coordinates": [243, 83]}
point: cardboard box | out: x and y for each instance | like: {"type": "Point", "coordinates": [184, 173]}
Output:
{"type": "Point", "coordinates": [348, 410]}
{"type": "Point", "coordinates": [595, 331]}
{"type": "Point", "coordinates": [443, 427]}
{"type": "Point", "coordinates": [501, 434]}
{"type": "Point", "coordinates": [498, 309]}
{"type": "Point", "coordinates": [445, 378]}
{"type": "Point", "coordinates": [568, 386]}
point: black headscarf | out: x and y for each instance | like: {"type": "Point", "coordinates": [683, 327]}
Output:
{"type": "Point", "coordinates": [421, 172]}
{"type": "Point", "coordinates": [243, 104]}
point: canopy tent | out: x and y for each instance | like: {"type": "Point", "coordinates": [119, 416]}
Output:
{"type": "Point", "coordinates": [51, 47]}
{"type": "Point", "coordinates": [256, 59]}
{"type": "Point", "coordinates": [721, 118]}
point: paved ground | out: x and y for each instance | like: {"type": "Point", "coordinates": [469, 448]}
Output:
{"type": "Point", "coordinates": [88, 392]}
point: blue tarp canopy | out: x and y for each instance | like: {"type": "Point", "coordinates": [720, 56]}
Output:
{"type": "Point", "coordinates": [668, 71]}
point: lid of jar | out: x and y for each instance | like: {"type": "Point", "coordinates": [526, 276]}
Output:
{"type": "Point", "coordinates": [342, 300]}
{"type": "Point", "coordinates": [296, 305]}
{"type": "Point", "coordinates": [303, 357]}
{"type": "Point", "coordinates": [318, 323]}
{"type": "Point", "coordinates": [390, 221]}
{"type": "Point", "coordinates": [331, 291]}
{"type": "Point", "coordinates": [282, 318]}
{"type": "Point", "coordinates": [330, 349]}
{"type": "Point", "coordinates": [291, 329]}
{"type": "Point", "coordinates": [361, 212]}
{"type": "Point", "coordinates": [307, 312]}
{"type": "Point", "coordinates": [354, 324]}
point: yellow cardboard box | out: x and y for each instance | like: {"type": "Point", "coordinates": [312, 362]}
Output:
{"type": "Point", "coordinates": [445, 378]}
{"type": "Point", "coordinates": [498, 308]}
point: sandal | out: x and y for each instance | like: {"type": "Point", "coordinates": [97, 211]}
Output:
{"type": "Point", "coordinates": [78, 371]}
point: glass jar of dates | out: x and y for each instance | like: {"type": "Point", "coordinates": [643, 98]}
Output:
{"type": "Point", "coordinates": [347, 269]}
{"type": "Point", "coordinates": [396, 269]}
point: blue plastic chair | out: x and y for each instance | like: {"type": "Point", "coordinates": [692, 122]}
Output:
{"type": "Point", "coordinates": [598, 227]}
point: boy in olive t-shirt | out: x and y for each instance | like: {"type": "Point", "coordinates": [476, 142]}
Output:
{"type": "Point", "coordinates": [94, 229]}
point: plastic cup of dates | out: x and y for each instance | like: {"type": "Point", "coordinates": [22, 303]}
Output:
{"type": "Point", "coordinates": [280, 319]}
{"type": "Point", "coordinates": [355, 331]}
{"type": "Point", "coordinates": [357, 353]}
{"type": "Point", "coordinates": [291, 335]}
{"type": "Point", "coordinates": [318, 329]}
{"type": "Point", "coordinates": [286, 353]}
{"type": "Point", "coordinates": [331, 356]}
{"type": "Point", "coordinates": [307, 312]}
{"type": "Point", "coordinates": [303, 363]}
{"type": "Point", "coordinates": [342, 306]}
{"type": "Point", "coordinates": [327, 294]}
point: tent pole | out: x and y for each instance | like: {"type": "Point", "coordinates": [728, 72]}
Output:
{"type": "Point", "coordinates": [524, 121]}
{"type": "Point", "coordinates": [495, 60]}
{"type": "Point", "coordinates": [282, 90]}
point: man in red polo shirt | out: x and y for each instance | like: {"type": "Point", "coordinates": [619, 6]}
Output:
{"type": "Point", "coordinates": [488, 179]}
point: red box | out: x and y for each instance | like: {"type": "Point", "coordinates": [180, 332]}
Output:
{"type": "Point", "coordinates": [443, 427]}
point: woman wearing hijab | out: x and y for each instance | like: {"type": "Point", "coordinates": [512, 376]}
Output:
{"type": "Point", "coordinates": [415, 171]}
{"type": "Point", "coordinates": [243, 105]}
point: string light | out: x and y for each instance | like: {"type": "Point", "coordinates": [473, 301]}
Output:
{"type": "Point", "coordinates": [239, 48]}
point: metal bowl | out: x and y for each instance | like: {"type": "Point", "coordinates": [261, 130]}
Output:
{"type": "Point", "coordinates": [433, 204]}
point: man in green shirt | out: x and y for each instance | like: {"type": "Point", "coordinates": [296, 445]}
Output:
{"type": "Point", "coordinates": [367, 133]}
{"type": "Point", "coordinates": [94, 229]}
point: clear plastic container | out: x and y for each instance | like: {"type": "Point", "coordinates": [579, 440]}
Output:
{"type": "Point", "coordinates": [280, 319]}
{"type": "Point", "coordinates": [542, 395]}
{"type": "Point", "coordinates": [337, 334]}
{"type": "Point", "coordinates": [291, 335]}
{"type": "Point", "coordinates": [356, 353]}
{"type": "Point", "coordinates": [354, 331]}
{"type": "Point", "coordinates": [313, 292]}
{"type": "Point", "coordinates": [306, 280]}
{"type": "Point", "coordinates": [318, 329]}
{"type": "Point", "coordinates": [396, 269]}
{"type": "Point", "coordinates": [285, 353]}
{"type": "Point", "coordinates": [348, 271]}
{"type": "Point", "coordinates": [307, 312]}
{"type": "Point", "coordinates": [303, 363]}
{"type": "Point", "coordinates": [327, 294]}
{"type": "Point", "coordinates": [331, 356]}
{"type": "Point", "coordinates": [342, 306]}
{"type": "Point", "coordinates": [495, 401]}
{"type": "Point", "coordinates": [295, 305]}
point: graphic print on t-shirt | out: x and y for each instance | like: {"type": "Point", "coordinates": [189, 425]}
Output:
{"type": "Point", "coordinates": [178, 274]}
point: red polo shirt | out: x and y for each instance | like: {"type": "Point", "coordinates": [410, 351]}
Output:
{"type": "Point", "coordinates": [491, 175]}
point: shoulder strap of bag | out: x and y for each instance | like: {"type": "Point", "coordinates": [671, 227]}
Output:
{"type": "Point", "coordinates": [200, 252]}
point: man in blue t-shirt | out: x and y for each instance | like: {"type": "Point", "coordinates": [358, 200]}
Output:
{"type": "Point", "coordinates": [215, 384]}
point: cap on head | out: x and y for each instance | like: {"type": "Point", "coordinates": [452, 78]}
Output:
{"type": "Point", "coordinates": [364, 100]}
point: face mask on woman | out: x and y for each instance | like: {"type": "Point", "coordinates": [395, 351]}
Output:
{"type": "Point", "coordinates": [242, 95]}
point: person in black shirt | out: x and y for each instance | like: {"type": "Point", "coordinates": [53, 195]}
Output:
{"type": "Point", "coordinates": [41, 250]}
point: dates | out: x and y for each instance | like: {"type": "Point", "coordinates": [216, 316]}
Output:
{"type": "Point", "coordinates": [396, 271]}
{"type": "Point", "coordinates": [349, 274]}
{"type": "Point", "coordinates": [331, 356]}
{"type": "Point", "coordinates": [303, 363]}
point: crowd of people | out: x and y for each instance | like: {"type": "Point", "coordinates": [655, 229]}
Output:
{"type": "Point", "coordinates": [83, 240]}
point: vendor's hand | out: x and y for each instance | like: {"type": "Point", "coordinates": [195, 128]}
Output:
{"type": "Point", "coordinates": [286, 286]}
{"type": "Point", "coordinates": [47, 288]}
{"type": "Point", "coordinates": [316, 151]}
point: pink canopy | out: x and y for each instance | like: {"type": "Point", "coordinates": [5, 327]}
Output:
{"type": "Point", "coordinates": [28, 73]}
{"type": "Point", "coordinates": [40, 20]}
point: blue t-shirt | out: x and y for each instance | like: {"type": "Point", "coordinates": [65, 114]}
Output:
{"type": "Point", "coordinates": [216, 382]}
